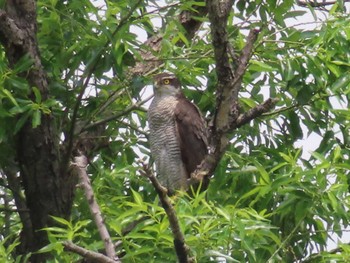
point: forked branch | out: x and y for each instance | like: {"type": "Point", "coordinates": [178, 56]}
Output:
{"type": "Point", "coordinates": [226, 117]}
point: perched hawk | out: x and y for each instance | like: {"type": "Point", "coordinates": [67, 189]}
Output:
{"type": "Point", "coordinates": [178, 135]}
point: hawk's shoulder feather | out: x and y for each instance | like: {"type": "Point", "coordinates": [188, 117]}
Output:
{"type": "Point", "coordinates": [192, 133]}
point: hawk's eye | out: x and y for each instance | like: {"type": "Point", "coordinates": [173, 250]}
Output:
{"type": "Point", "coordinates": [166, 82]}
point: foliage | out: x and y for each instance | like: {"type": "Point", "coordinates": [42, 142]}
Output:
{"type": "Point", "coordinates": [270, 199]}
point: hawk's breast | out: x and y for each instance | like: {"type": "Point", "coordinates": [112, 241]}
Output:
{"type": "Point", "coordinates": [164, 142]}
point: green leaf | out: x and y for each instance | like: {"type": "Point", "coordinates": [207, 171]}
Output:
{"type": "Point", "coordinates": [36, 118]}
{"type": "Point", "coordinates": [294, 126]}
{"type": "Point", "coordinates": [51, 247]}
{"type": "Point", "coordinates": [264, 174]}
{"type": "Point", "coordinates": [37, 94]}
{"type": "Point", "coordinates": [17, 82]}
{"type": "Point", "coordinates": [260, 66]}
{"type": "Point", "coordinates": [23, 64]}
{"type": "Point", "coordinates": [9, 96]}
{"type": "Point", "coordinates": [55, 229]}
{"type": "Point", "coordinates": [62, 221]}
{"type": "Point", "coordinates": [342, 84]}
{"type": "Point", "coordinates": [137, 198]}
{"type": "Point", "coordinates": [22, 120]}
{"type": "Point", "coordinates": [214, 253]}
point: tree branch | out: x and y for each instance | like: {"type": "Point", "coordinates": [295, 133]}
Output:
{"type": "Point", "coordinates": [226, 116]}
{"type": "Point", "coordinates": [80, 163]}
{"type": "Point", "coordinates": [317, 4]}
{"type": "Point", "coordinates": [179, 239]}
{"type": "Point", "coordinates": [118, 115]}
{"type": "Point", "coordinates": [243, 61]}
{"type": "Point", "coordinates": [317, 257]}
{"type": "Point", "coordinates": [218, 15]}
{"type": "Point", "coordinates": [254, 113]}
{"type": "Point", "coordinates": [88, 254]}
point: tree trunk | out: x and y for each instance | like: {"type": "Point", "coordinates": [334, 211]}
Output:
{"type": "Point", "coordinates": [48, 189]}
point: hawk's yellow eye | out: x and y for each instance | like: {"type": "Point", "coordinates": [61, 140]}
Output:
{"type": "Point", "coordinates": [166, 81]}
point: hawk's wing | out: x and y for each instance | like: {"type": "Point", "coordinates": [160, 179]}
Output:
{"type": "Point", "coordinates": [192, 134]}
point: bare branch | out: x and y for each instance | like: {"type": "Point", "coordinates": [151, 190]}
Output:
{"type": "Point", "coordinates": [284, 109]}
{"type": "Point", "coordinates": [88, 254]}
{"type": "Point", "coordinates": [179, 239]}
{"type": "Point", "coordinates": [254, 113]}
{"type": "Point", "coordinates": [80, 163]}
{"type": "Point", "coordinates": [243, 61]}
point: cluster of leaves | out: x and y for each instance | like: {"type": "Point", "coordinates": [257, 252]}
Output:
{"type": "Point", "coordinates": [268, 199]}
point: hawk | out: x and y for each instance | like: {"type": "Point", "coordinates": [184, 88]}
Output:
{"type": "Point", "coordinates": [178, 134]}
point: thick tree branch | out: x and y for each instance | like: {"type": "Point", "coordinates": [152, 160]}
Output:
{"type": "Point", "coordinates": [80, 164]}
{"type": "Point", "coordinates": [218, 15]}
{"type": "Point", "coordinates": [254, 113]}
{"type": "Point", "coordinates": [88, 254]}
{"type": "Point", "coordinates": [179, 239]}
{"type": "Point", "coordinates": [226, 116]}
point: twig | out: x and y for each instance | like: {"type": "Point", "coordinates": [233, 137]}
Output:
{"type": "Point", "coordinates": [80, 163]}
{"type": "Point", "coordinates": [117, 116]}
{"type": "Point", "coordinates": [317, 4]}
{"type": "Point", "coordinates": [134, 127]}
{"type": "Point", "coordinates": [317, 257]}
{"type": "Point", "coordinates": [179, 239]}
{"type": "Point", "coordinates": [286, 239]}
{"type": "Point", "coordinates": [111, 98]}
{"type": "Point", "coordinates": [287, 108]}
{"type": "Point", "coordinates": [88, 254]}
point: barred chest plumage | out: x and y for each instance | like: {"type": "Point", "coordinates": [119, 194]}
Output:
{"type": "Point", "coordinates": [164, 143]}
{"type": "Point", "coordinates": [178, 137]}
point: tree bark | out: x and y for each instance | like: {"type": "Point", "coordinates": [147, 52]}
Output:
{"type": "Point", "coordinates": [48, 191]}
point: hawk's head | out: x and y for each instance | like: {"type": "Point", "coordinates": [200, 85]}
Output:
{"type": "Point", "coordinates": [166, 84]}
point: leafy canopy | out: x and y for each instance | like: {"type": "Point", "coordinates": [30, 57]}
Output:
{"type": "Point", "coordinates": [270, 199]}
